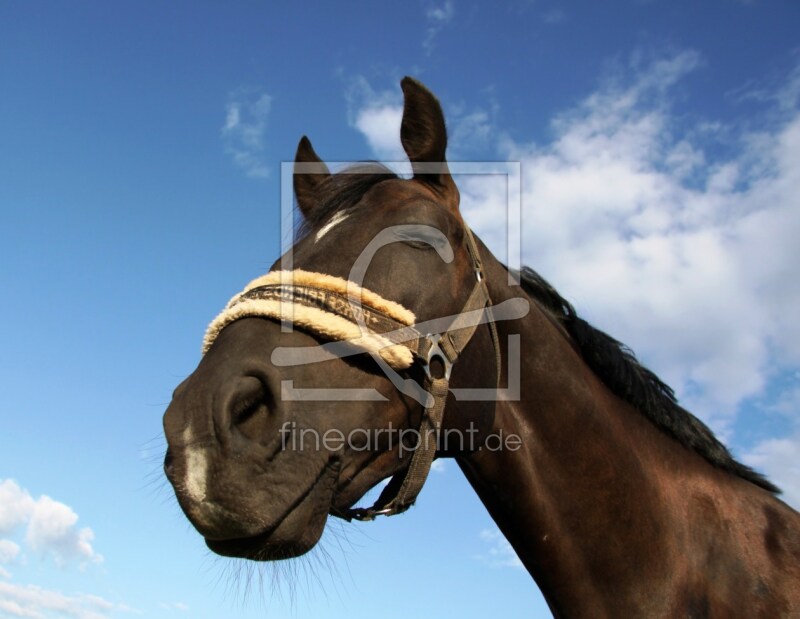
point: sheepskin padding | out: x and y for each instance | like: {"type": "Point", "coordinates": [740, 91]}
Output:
{"type": "Point", "coordinates": [344, 287]}
{"type": "Point", "coordinates": [327, 325]}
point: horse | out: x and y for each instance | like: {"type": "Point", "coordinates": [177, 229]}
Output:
{"type": "Point", "coordinates": [390, 335]}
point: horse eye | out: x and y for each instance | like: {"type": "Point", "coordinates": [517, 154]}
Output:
{"type": "Point", "coordinates": [418, 244]}
{"type": "Point", "coordinates": [422, 240]}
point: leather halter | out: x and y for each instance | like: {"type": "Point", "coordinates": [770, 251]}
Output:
{"type": "Point", "coordinates": [437, 353]}
{"type": "Point", "coordinates": [446, 347]}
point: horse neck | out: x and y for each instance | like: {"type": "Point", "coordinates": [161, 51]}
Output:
{"type": "Point", "coordinates": [592, 500]}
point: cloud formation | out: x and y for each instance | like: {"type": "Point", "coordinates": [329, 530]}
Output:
{"type": "Point", "coordinates": [8, 551]}
{"type": "Point", "coordinates": [16, 506]}
{"type": "Point", "coordinates": [777, 457]}
{"type": "Point", "coordinates": [50, 527]}
{"type": "Point", "coordinates": [377, 116]}
{"type": "Point", "coordinates": [686, 257]}
{"type": "Point", "coordinates": [47, 528]}
{"type": "Point", "coordinates": [437, 16]}
{"type": "Point", "coordinates": [32, 602]}
{"type": "Point", "coordinates": [499, 552]}
{"type": "Point", "coordinates": [244, 131]}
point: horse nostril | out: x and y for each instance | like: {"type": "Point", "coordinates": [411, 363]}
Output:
{"type": "Point", "coordinates": [247, 410]}
{"type": "Point", "coordinates": [250, 401]}
{"type": "Point", "coordinates": [168, 463]}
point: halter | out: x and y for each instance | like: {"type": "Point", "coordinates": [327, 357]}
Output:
{"type": "Point", "coordinates": [341, 311]}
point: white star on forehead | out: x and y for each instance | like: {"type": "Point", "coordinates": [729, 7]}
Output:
{"type": "Point", "coordinates": [334, 221]}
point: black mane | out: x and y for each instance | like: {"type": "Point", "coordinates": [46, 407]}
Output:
{"type": "Point", "coordinates": [343, 190]}
{"type": "Point", "coordinates": [616, 365]}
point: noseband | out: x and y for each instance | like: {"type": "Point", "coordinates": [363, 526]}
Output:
{"type": "Point", "coordinates": [341, 311]}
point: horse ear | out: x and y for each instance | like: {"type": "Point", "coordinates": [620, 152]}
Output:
{"type": "Point", "coordinates": [424, 138]}
{"type": "Point", "coordinates": [309, 173]}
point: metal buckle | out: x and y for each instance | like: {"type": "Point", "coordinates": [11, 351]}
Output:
{"type": "Point", "coordinates": [434, 351]}
{"type": "Point", "coordinates": [369, 514]}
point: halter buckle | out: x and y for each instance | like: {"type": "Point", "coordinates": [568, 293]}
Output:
{"type": "Point", "coordinates": [435, 351]}
{"type": "Point", "coordinates": [369, 514]}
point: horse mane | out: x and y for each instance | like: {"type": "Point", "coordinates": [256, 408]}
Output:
{"type": "Point", "coordinates": [343, 190]}
{"type": "Point", "coordinates": [616, 365]}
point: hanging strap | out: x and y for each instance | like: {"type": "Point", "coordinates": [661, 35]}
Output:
{"type": "Point", "coordinates": [402, 490]}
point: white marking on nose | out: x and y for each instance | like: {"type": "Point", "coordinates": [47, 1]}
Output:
{"type": "Point", "coordinates": [196, 469]}
{"type": "Point", "coordinates": [335, 221]}
{"type": "Point", "coordinates": [196, 473]}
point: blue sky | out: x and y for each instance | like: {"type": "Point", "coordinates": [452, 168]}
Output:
{"type": "Point", "coordinates": [140, 188]}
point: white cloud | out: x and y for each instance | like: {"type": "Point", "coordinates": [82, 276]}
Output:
{"type": "Point", "coordinates": [777, 456]}
{"type": "Point", "coordinates": [442, 13]}
{"type": "Point", "coordinates": [499, 552]}
{"type": "Point", "coordinates": [776, 88]}
{"type": "Point", "coordinates": [778, 459]}
{"type": "Point", "coordinates": [52, 530]}
{"type": "Point", "coordinates": [50, 527]}
{"type": "Point", "coordinates": [690, 260]}
{"type": "Point", "coordinates": [8, 551]}
{"type": "Point", "coordinates": [16, 506]}
{"type": "Point", "coordinates": [34, 602]}
{"type": "Point", "coordinates": [788, 401]}
{"type": "Point", "coordinates": [468, 132]}
{"type": "Point", "coordinates": [381, 126]}
{"type": "Point", "coordinates": [377, 116]}
{"type": "Point", "coordinates": [437, 16]}
{"type": "Point", "coordinates": [244, 131]}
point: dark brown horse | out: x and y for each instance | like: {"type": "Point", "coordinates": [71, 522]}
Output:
{"type": "Point", "coordinates": [618, 501]}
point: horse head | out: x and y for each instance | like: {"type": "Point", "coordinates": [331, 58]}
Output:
{"type": "Point", "coordinates": [279, 428]}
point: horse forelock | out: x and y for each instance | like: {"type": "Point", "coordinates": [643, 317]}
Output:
{"type": "Point", "coordinates": [343, 191]}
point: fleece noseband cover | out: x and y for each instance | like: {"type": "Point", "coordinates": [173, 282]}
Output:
{"type": "Point", "coordinates": [330, 307]}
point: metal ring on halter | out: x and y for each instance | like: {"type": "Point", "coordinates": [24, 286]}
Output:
{"type": "Point", "coordinates": [368, 515]}
{"type": "Point", "coordinates": [435, 351]}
